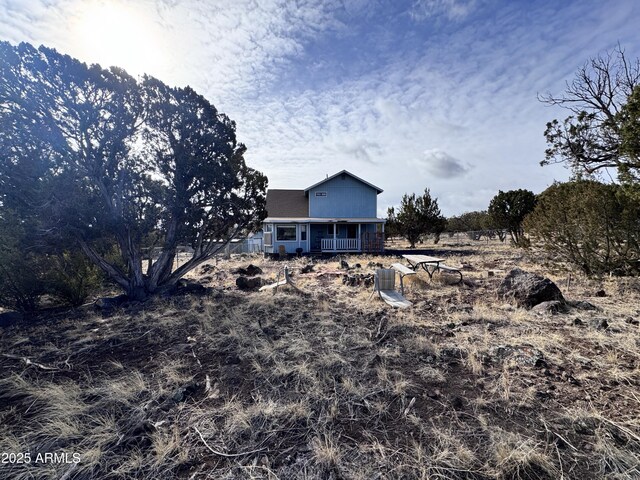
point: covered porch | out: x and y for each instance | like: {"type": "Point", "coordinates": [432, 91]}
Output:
{"type": "Point", "coordinates": [344, 236]}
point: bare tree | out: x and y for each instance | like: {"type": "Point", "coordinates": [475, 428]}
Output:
{"type": "Point", "coordinates": [590, 139]}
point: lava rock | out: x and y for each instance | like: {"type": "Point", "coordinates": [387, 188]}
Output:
{"type": "Point", "coordinates": [245, 283]}
{"type": "Point", "coordinates": [307, 268]}
{"type": "Point", "coordinates": [250, 271]}
{"type": "Point", "coordinates": [599, 323]}
{"type": "Point", "coordinates": [110, 303]}
{"type": "Point", "coordinates": [552, 307]}
{"type": "Point", "coordinates": [583, 305]}
{"type": "Point", "coordinates": [191, 287]}
{"type": "Point", "coordinates": [528, 289]}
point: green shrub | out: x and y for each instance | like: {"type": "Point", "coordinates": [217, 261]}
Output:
{"type": "Point", "coordinates": [592, 225]}
{"type": "Point", "coordinates": [73, 278]}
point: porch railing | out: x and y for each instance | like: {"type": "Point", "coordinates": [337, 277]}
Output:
{"type": "Point", "coordinates": [341, 244]}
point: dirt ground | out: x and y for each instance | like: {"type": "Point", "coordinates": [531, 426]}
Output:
{"type": "Point", "coordinates": [330, 382]}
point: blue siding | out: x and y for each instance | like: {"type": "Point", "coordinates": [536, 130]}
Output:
{"type": "Point", "coordinates": [345, 198]}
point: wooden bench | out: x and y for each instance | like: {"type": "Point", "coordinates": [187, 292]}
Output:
{"type": "Point", "coordinates": [402, 271]}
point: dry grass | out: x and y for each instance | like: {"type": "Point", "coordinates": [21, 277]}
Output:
{"type": "Point", "coordinates": [332, 384]}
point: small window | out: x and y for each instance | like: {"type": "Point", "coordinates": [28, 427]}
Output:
{"type": "Point", "coordinates": [268, 239]}
{"type": "Point", "coordinates": [303, 233]}
{"type": "Point", "coordinates": [286, 233]}
{"type": "Point", "coordinates": [321, 194]}
{"type": "Point", "coordinates": [268, 227]}
{"type": "Point", "coordinates": [330, 229]}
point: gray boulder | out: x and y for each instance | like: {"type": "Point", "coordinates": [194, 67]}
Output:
{"type": "Point", "coordinates": [528, 289]}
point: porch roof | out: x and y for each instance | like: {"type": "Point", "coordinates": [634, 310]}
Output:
{"type": "Point", "coordinates": [322, 220]}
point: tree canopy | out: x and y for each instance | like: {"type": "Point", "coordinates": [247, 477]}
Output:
{"type": "Point", "coordinates": [602, 131]}
{"type": "Point", "coordinates": [592, 225]}
{"type": "Point", "coordinates": [96, 157]}
{"type": "Point", "coordinates": [508, 210]}
{"type": "Point", "coordinates": [418, 216]}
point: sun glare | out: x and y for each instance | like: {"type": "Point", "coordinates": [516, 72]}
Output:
{"type": "Point", "coordinates": [115, 33]}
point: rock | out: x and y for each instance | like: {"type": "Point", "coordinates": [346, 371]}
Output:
{"type": "Point", "coordinates": [191, 287]}
{"type": "Point", "coordinates": [250, 271]}
{"type": "Point", "coordinates": [599, 323]}
{"type": "Point", "coordinates": [245, 283]}
{"type": "Point", "coordinates": [451, 355]}
{"type": "Point", "coordinates": [582, 305]}
{"type": "Point", "coordinates": [307, 268]}
{"type": "Point", "coordinates": [207, 269]}
{"type": "Point", "coordinates": [577, 321]}
{"type": "Point", "coordinates": [600, 293]}
{"type": "Point", "coordinates": [357, 265]}
{"type": "Point", "coordinates": [10, 318]}
{"type": "Point", "coordinates": [110, 303]}
{"type": "Point", "coordinates": [522, 354]}
{"type": "Point", "coordinates": [552, 307]}
{"type": "Point", "coordinates": [344, 264]}
{"type": "Point", "coordinates": [528, 289]}
{"type": "Point", "coordinates": [632, 321]}
{"type": "Point", "coordinates": [374, 265]}
{"type": "Point", "coordinates": [354, 280]}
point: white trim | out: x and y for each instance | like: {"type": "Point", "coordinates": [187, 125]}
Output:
{"type": "Point", "coordinates": [322, 220]}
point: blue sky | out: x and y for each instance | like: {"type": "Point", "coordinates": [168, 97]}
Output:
{"type": "Point", "coordinates": [405, 94]}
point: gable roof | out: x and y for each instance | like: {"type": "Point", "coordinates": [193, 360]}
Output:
{"type": "Point", "coordinates": [377, 189]}
{"type": "Point", "coordinates": [287, 203]}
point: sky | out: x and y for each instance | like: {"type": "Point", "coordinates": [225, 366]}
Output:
{"type": "Point", "coordinates": [408, 95]}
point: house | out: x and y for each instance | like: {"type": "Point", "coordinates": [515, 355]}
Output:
{"type": "Point", "coordinates": [337, 214]}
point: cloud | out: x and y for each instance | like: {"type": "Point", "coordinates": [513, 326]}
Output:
{"type": "Point", "coordinates": [451, 9]}
{"type": "Point", "coordinates": [373, 87]}
{"type": "Point", "coordinates": [359, 149]}
{"type": "Point", "coordinates": [440, 164]}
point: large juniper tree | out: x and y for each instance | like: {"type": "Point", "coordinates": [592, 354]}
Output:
{"type": "Point", "coordinates": [98, 158]}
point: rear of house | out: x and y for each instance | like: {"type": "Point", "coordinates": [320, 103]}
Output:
{"type": "Point", "coordinates": [337, 214]}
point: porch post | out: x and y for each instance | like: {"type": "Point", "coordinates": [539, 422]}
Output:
{"type": "Point", "coordinates": [335, 236]}
{"type": "Point", "coordinates": [359, 241]}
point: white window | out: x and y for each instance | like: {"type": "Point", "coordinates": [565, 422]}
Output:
{"type": "Point", "coordinates": [286, 233]}
{"type": "Point", "coordinates": [303, 233]}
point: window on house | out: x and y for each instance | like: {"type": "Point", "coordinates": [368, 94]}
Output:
{"type": "Point", "coordinates": [303, 233]}
{"type": "Point", "coordinates": [321, 194]}
{"type": "Point", "coordinates": [286, 233]}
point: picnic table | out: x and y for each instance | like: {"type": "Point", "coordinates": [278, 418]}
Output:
{"type": "Point", "coordinates": [430, 265]}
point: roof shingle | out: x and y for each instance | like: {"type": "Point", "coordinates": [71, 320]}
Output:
{"type": "Point", "coordinates": [287, 203]}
